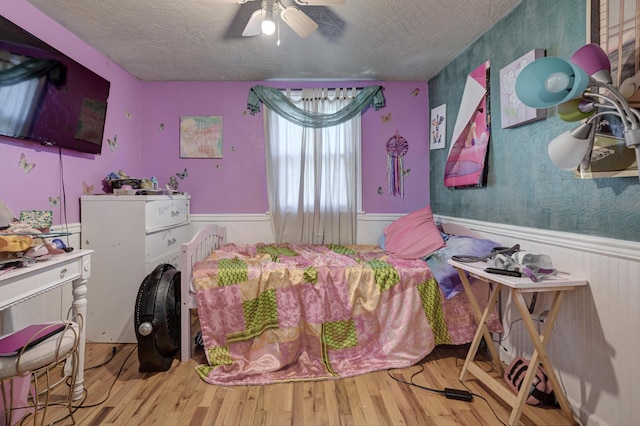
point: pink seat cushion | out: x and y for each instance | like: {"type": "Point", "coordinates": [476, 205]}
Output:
{"type": "Point", "coordinates": [413, 236]}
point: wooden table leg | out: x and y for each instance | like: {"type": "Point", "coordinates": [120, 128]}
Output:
{"type": "Point", "coordinates": [482, 330]}
{"type": "Point", "coordinates": [539, 355]}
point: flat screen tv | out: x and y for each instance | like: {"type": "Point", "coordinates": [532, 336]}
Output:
{"type": "Point", "coordinates": [47, 97]}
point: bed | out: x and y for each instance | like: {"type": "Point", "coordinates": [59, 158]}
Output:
{"type": "Point", "coordinates": [274, 313]}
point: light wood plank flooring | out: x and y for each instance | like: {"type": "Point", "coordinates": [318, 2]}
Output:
{"type": "Point", "coordinates": [117, 394]}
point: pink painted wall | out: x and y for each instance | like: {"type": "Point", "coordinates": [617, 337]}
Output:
{"type": "Point", "coordinates": [236, 183]}
{"type": "Point", "coordinates": [144, 119]}
{"type": "Point", "coordinates": [37, 189]}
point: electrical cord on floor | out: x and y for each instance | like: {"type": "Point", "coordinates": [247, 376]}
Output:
{"type": "Point", "coordinates": [67, 379]}
{"type": "Point", "coordinates": [113, 353]}
{"type": "Point", "coordinates": [487, 402]}
{"type": "Point", "coordinates": [480, 396]}
{"type": "Point", "coordinates": [411, 383]}
{"type": "Point", "coordinates": [110, 387]}
{"type": "Point", "coordinates": [86, 392]}
{"type": "Point", "coordinates": [449, 393]}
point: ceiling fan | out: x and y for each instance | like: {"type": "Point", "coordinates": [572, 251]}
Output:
{"type": "Point", "coordinates": [263, 20]}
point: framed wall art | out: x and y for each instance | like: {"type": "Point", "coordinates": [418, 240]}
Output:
{"type": "Point", "coordinates": [466, 160]}
{"type": "Point", "coordinates": [513, 112]}
{"type": "Point", "coordinates": [438, 133]}
{"type": "Point", "coordinates": [201, 137]}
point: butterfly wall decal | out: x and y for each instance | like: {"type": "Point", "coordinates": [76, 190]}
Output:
{"type": "Point", "coordinates": [113, 143]}
{"type": "Point", "coordinates": [87, 189]}
{"type": "Point", "coordinates": [54, 201]}
{"type": "Point", "coordinates": [26, 167]}
{"type": "Point", "coordinates": [385, 118]}
{"type": "Point", "coordinates": [183, 174]}
{"type": "Point", "coordinates": [415, 92]}
{"type": "Point", "coordinates": [128, 115]}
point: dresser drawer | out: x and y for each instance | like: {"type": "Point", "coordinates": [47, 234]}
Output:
{"type": "Point", "coordinates": [161, 242]}
{"type": "Point", "coordinates": [172, 258]}
{"type": "Point", "coordinates": [164, 213]}
{"type": "Point", "coordinates": [20, 285]}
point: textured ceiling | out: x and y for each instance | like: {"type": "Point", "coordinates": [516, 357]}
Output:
{"type": "Point", "coordinates": [201, 39]}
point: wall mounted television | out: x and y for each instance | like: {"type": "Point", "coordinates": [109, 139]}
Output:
{"type": "Point", "coordinates": [47, 97]}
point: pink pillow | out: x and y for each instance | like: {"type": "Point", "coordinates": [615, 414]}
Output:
{"type": "Point", "coordinates": [413, 236]}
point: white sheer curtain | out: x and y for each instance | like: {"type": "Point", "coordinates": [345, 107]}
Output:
{"type": "Point", "coordinates": [19, 101]}
{"type": "Point", "coordinates": [311, 173]}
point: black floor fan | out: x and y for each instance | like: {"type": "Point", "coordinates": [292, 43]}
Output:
{"type": "Point", "coordinates": [157, 319]}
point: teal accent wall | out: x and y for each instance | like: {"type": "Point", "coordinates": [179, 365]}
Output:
{"type": "Point", "coordinates": [523, 187]}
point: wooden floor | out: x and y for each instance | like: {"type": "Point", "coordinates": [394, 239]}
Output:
{"type": "Point", "coordinates": [117, 394]}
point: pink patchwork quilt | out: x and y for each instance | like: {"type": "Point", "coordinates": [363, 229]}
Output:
{"type": "Point", "coordinates": [274, 313]}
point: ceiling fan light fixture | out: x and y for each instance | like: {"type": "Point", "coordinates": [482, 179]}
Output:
{"type": "Point", "coordinates": [298, 21]}
{"type": "Point", "coordinates": [268, 26]}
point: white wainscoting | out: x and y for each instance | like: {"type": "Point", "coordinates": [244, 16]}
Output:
{"type": "Point", "coordinates": [256, 228]}
{"type": "Point", "coordinates": [595, 343]}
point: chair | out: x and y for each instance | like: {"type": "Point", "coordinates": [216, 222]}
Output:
{"type": "Point", "coordinates": [37, 363]}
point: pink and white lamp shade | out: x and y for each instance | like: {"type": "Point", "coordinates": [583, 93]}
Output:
{"type": "Point", "coordinates": [594, 61]}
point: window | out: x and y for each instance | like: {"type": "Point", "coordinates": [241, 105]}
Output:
{"type": "Point", "coordinates": [313, 174]}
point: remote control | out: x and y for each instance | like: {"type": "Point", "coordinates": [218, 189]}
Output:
{"type": "Point", "coordinates": [503, 272]}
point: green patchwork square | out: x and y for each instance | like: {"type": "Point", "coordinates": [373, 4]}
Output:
{"type": "Point", "coordinates": [340, 249]}
{"type": "Point", "coordinates": [260, 314]}
{"type": "Point", "coordinates": [310, 275]}
{"type": "Point", "coordinates": [204, 370]}
{"type": "Point", "coordinates": [262, 310]}
{"type": "Point", "coordinates": [432, 305]}
{"type": "Point", "coordinates": [219, 355]}
{"type": "Point", "coordinates": [232, 271]}
{"type": "Point", "coordinates": [385, 275]}
{"type": "Point", "coordinates": [339, 334]}
{"type": "Point", "coordinates": [275, 251]}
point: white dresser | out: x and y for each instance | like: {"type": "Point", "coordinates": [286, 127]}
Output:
{"type": "Point", "coordinates": [131, 235]}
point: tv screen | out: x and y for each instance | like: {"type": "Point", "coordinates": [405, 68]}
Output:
{"type": "Point", "coordinates": [47, 97]}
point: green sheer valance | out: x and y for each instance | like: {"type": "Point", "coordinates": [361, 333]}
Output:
{"type": "Point", "coordinates": [34, 68]}
{"type": "Point", "coordinates": [280, 104]}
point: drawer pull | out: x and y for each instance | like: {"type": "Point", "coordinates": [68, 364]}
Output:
{"type": "Point", "coordinates": [171, 241]}
{"type": "Point", "coordinates": [175, 213]}
{"type": "Point", "coordinates": [63, 272]}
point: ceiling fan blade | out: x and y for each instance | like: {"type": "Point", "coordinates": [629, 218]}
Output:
{"type": "Point", "coordinates": [298, 21]}
{"type": "Point", "coordinates": [253, 27]}
{"type": "Point", "coordinates": [321, 2]}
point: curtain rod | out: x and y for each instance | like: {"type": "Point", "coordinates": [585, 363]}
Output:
{"type": "Point", "coordinates": [323, 88]}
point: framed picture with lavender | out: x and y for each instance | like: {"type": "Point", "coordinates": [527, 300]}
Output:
{"type": "Point", "coordinates": [513, 112]}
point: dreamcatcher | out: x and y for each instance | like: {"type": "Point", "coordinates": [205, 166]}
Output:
{"type": "Point", "coordinates": [397, 147]}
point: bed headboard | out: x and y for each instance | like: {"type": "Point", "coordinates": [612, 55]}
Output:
{"type": "Point", "coordinates": [455, 229]}
{"type": "Point", "coordinates": [207, 239]}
